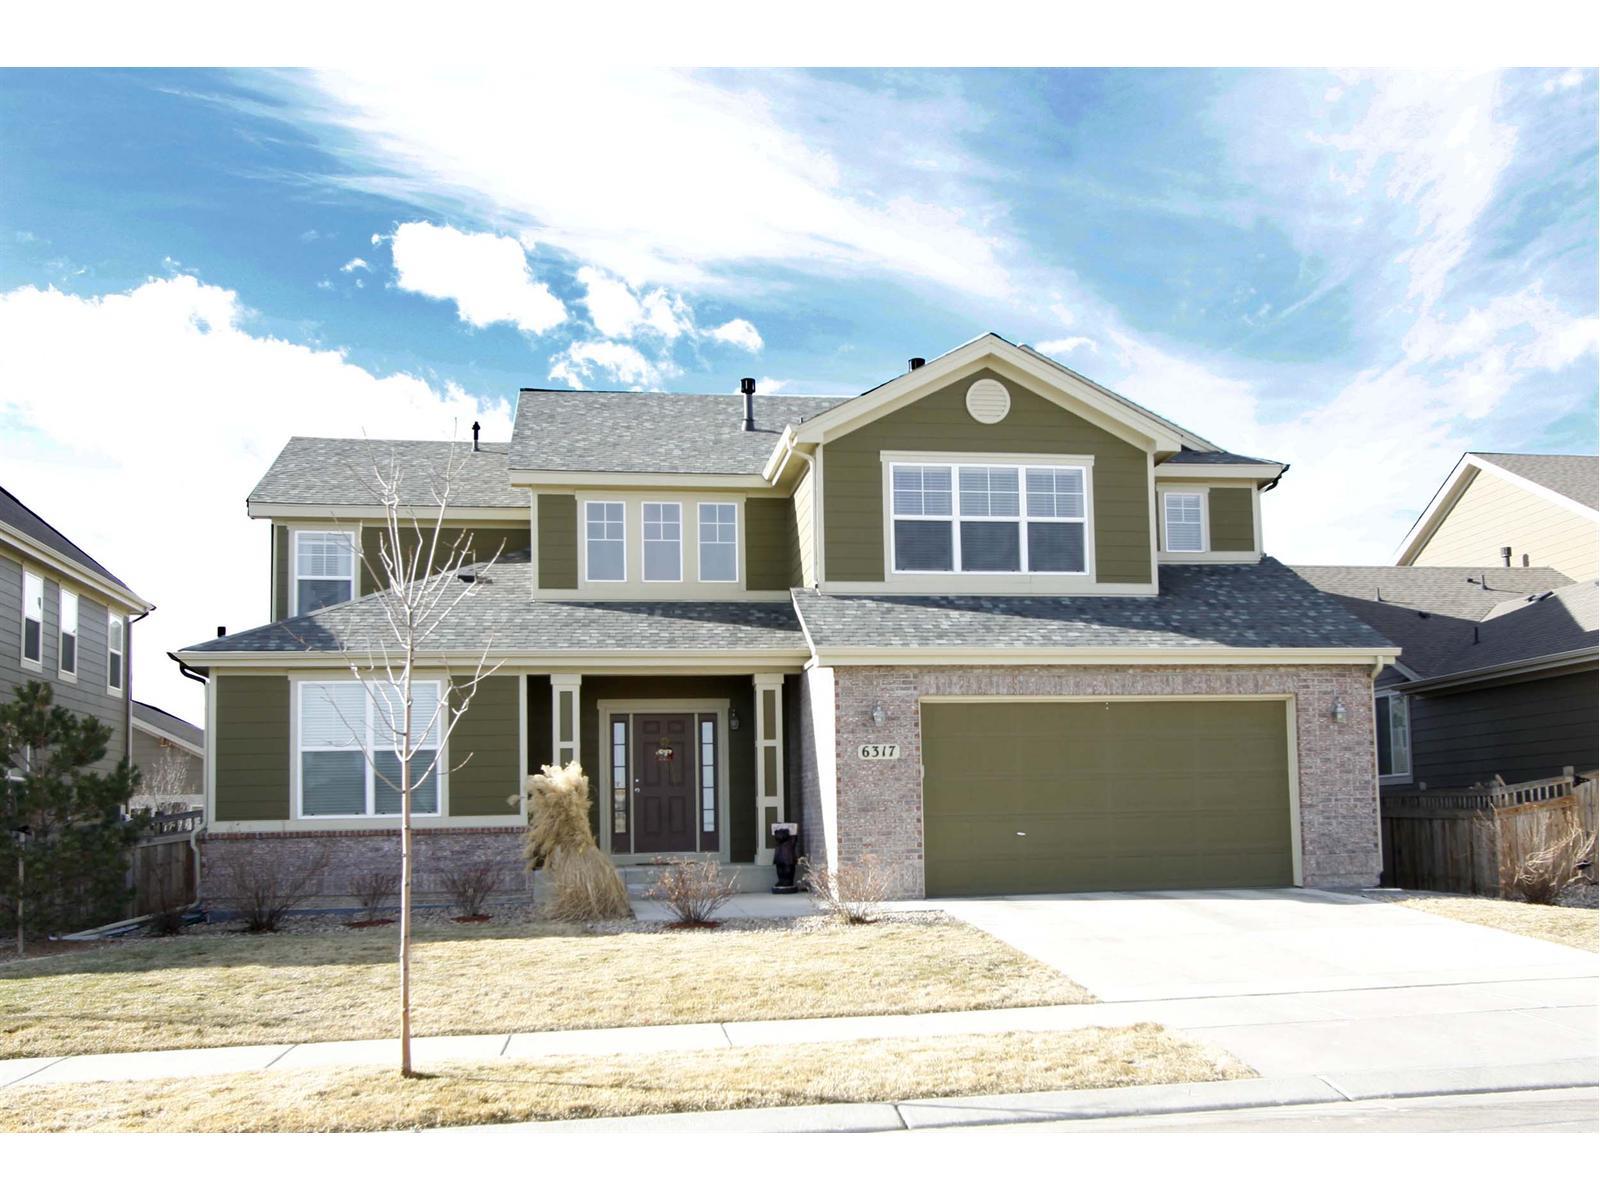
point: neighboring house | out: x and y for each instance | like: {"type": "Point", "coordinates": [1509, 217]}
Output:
{"type": "Point", "coordinates": [1512, 510]}
{"type": "Point", "coordinates": [65, 620]}
{"type": "Point", "coordinates": [988, 624]}
{"type": "Point", "coordinates": [170, 754]}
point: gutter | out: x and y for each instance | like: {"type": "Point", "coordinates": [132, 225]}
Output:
{"type": "Point", "coordinates": [1277, 478]}
{"type": "Point", "coordinates": [186, 670]}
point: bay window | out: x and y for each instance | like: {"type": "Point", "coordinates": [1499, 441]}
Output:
{"type": "Point", "coordinates": [719, 543]}
{"type": "Point", "coordinates": [32, 619]}
{"type": "Point", "coordinates": [349, 750]}
{"type": "Point", "coordinates": [605, 542]}
{"type": "Point", "coordinates": [663, 541]}
{"type": "Point", "coordinates": [69, 633]}
{"type": "Point", "coordinates": [324, 569]}
{"type": "Point", "coordinates": [989, 519]}
{"type": "Point", "coordinates": [1394, 736]}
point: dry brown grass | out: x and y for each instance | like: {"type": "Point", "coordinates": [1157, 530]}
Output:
{"type": "Point", "coordinates": [620, 1085]}
{"type": "Point", "coordinates": [1575, 927]}
{"type": "Point", "coordinates": [242, 990]}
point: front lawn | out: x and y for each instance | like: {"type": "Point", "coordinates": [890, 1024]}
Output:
{"type": "Point", "coordinates": [557, 1089]}
{"type": "Point", "coordinates": [1576, 927]}
{"type": "Point", "coordinates": [236, 990]}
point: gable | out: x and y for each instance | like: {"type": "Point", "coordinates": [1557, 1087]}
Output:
{"type": "Point", "coordinates": [1490, 512]}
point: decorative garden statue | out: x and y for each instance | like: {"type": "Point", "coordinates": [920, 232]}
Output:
{"type": "Point", "coordinates": [784, 856]}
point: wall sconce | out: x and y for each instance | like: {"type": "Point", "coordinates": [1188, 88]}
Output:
{"type": "Point", "coordinates": [733, 719]}
{"type": "Point", "coordinates": [1338, 711]}
{"type": "Point", "coordinates": [877, 714]}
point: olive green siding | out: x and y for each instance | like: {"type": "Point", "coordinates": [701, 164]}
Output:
{"type": "Point", "coordinates": [853, 475]}
{"type": "Point", "coordinates": [251, 740]}
{"type": "Point", "coordinates": [280, 572]}
{"type": "Point", "coordinates": [1232, 518]}
{"type": "Point", "coordinates": [771, 545]}
{"type": "Point", "coordinates": [478, 542]}
{"type": "Point", "coordinates": [486, 750]}
{"type": "Point", "coordinates": [558, 540]}
{"type": "Point", "coordinates": [1104, 796]}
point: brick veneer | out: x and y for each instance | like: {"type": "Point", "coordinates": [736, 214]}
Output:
{"type": "Point", "coordinates": [879, 805]}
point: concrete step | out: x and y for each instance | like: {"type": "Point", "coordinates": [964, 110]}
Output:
{"type": "Point", "coordinates": [639, 878]}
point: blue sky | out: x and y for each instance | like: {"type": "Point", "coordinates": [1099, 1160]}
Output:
{"type": "Point", "coordinates": [1361, 274]}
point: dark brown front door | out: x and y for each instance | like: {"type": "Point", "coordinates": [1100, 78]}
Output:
{"type": "Point", "coordinates": [663, 784]}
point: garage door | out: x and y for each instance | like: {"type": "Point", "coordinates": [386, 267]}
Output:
{"type": "Point", "coordinates": [1055, 796]}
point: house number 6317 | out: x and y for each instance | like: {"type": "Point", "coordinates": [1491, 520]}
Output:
{"type": "Point", "coordinates": [879, 750]}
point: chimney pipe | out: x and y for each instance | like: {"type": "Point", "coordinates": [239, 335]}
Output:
{"type": "Point", "coordinates": [475, 428]}
{"type": "Point", "coordinates": [1505, 556]}
{"type": "Point", "coordinates": [748, 387]}
{"type": "Point", "coordinates": [222, 631]}
{"type": "Point", "coordinates": [917, 363]}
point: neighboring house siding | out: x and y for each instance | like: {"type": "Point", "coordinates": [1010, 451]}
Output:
{"type": "Point", "coordinates": [251, 742]}
{"type": "Point", "coordinates": [170, 767]}
{"type": "Point", "coordinates": [805, 495]}
{"type": "Point", "coordinates": [1519, 731]}
{"type": "Point", "coordinates": [485, 751]}
{"type": "Point", "coordinates": [280, 572]}
{"type": "Point", "coordinates": [480, 543]}
{"type": "Point", "coordinates": [1232, 518]}
{"type": "Point", "coordinates": [1493, 512]}
{"type": "Point", "coordinates": [558, 540]}
{"type": "Point", "coordinates": [852, 484]}
{"type": "Point", "coordinates": [771, 549]}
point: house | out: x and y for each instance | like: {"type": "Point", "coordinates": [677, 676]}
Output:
{"type": "Point", "coordinates": [171, 757]}
{"type": "Point", "coordinates": [67, 621]}
{"type": "Point", "coordinates": [988, 625]}
{"type": "Point", "coordinates": [1509, 510]}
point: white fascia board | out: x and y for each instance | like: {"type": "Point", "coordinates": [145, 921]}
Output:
{"type": "Point", "coordinates": [938, 656]}
{"type": "Point", "coordinates": [1260, 472]}
{"type": "Point", "coordinates": [82, 576]}
{"type": "Point", "coordinates": [454, 514]}
{"type": "Point", "coordinates": [1545, 662]}
{"type": "Point", "coordinates": [1538, 489]}
{"type": "Point", "coordinates": [585, 662]}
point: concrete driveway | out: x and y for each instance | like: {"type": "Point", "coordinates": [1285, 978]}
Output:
{"type": "Point", "coordinates": [1307, 982]}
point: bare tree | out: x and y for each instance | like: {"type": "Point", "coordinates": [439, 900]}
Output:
{"type": "Point", "coordinates": [165, 780]}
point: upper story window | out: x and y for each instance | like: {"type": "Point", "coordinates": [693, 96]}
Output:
{"type": "Point", "coordinates": [32, 619]}
{"type": "Point", "coordinates": [1394, 736]}
{"type": "Point", "coordinates": [663, 541]}
{"type": "Point", "coordinates": [719, 543]}
{"type": "Point", "coordinates": [116, 631]}
{"type": "Point", "coordinates": [998, 519]}
{"type": "Point", "coordinates": [69, 634]}
{"type": "Point", "coordinates": [605, 542]}
{"type": "Point", "coordinates": [348, 751]}
{"type": "Point", "coordinates": [1184, 515]}
{"type": "Point", "coordinates": [324, 569]}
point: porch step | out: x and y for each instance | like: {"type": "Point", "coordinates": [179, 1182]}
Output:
{"type": "Point", "coordinates": [639, 878]}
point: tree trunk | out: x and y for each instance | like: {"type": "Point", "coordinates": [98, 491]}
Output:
{"type": "Point", "coordinates": [405, 883]}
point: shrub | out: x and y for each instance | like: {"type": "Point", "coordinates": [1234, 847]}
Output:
{"type": "Point", "coordinates": [263, 894]}
{"type": "Point", "coordinates": [584, 886]}
{"type": "Point", "coordinates": [374, 889]}
{"type": "Point", "coordinates": [471, 886]}
{"type": "Point", "coordinates": [1545, 873]}
{"type": "Point", "coordinates": [853, 893]}
{"type": "Point", "coordinates": [694, 890]}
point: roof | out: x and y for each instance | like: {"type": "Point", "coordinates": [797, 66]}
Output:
{"type": "Point", "coordinates": [1218, 458]}
{"type": "Point", "coordinates": [654, 432]}
{"type": "Point", "coordinates": [1234, 606]}
{"type": "Point", "coordinates": [503, 604]}
{"type": "Point", "coordinates": [1432, 612]}
{"type": "Point", "coordinates": [24, 520]}
{"type": "Point", "coordinates": [337, 472]}
{"type": "Point", "coordinates": [173, 726]}
{"type": "Point", "coordinates": [1575, 476]}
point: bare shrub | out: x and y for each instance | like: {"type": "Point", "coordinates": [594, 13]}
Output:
{"type": "Point", "coordinates": [263, 894]}
{"type": "Point", "coordinates": [694, 890]}
{"type": "Point", "coordinates": [853, 893]}
{"type": "Point", "coordinates": [1545, 873]}
{"type": "Point", "coordinates": [471, 887]}
{"type": "Point", "coordinates": [584, 886]}
{"type": "Point", "coordinates": [374, 889]}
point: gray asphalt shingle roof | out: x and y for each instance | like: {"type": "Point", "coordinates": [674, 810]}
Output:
{"type": "Point", "coordinates": [1575, 476]}
{"type": "Point", "coordinates": [24, 520]}
{"type": "Point", "coordinates": [162, 719]}
{"type": "Point", "coordinates": [1236, 606]}
{"type": "Point", "coordinates": [652, 431]}
{"type": "Point", "coordinates": [1213, 458]}
{"type": "Point", "coordinates": [334, 472]}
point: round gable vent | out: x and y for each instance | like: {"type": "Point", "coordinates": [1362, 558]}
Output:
{"type": "Point", "coordinates": [988, 401]}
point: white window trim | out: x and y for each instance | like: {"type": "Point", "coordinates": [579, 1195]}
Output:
{"type": "Point", "coordinates": [294, 565]}
{"type": "Point", "coordinates": [115, 620]}
{"type": "Point", "coordinates": [1405, 702]}
{"type": "Point", "coordinates": [1203, 496]}
{"type": "Point", "coordinates": [61, 633]}
{"type": "Point", "coordinates": [587, 505]}
{"type": "Point", "coordinates": [32, 664]}
{"type": "Point", "coordinates": [700, 543]}
{"type": "Point", "coordinates": [644, 541]}
{"type": "Point", "coordinates": [1021, 465]}
{"type": "Point", "coordinates": [441, 752]}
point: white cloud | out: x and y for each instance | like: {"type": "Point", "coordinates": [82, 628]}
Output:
{"type": "Point", "coordinates": [487, 276]}
{"type": "Point", "coordinates": [1057, 347]}
{"type": "Point", "coordinates": [617, 311]}
{"type": "Point", "coordinates": [1563, 82]}
{"type": "Point", "coordinates": [584, 362]}
{"type": "Point", "coordinates": [355, 264]}
{"type": "Point", "coordinates": [768, 386]}
{"type": "Point", "coordinates": [198, 410]}
{"type": "Point", "coordinates": [738, 332]}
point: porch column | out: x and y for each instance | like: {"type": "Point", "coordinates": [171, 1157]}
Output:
{"type": "Point", "coordinates": [769, 762]}
{"type": "Point", "coordinates": [564, 691]}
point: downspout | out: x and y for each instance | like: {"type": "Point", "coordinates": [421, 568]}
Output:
{"type": "Point", "coordinates": [127, 685]}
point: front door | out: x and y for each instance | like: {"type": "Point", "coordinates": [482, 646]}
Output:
{"type": "Point", "coordinates": [663, 784]}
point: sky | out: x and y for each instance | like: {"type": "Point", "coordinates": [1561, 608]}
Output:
{"type": "Point", "coordinates": [1363, 275]}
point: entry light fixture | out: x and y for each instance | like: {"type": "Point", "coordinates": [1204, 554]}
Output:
{"type": "Point", "coordinates": [1338, 710]}
{"type": "Point", "coordinates": [733, 719]}
{"type": "Point", "coordinates": [877, 714]}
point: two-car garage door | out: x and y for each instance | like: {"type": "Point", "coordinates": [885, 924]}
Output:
{"type": "Point", "coordinates": [1097, 795]}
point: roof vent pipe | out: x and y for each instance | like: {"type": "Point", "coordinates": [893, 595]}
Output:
{"type": "Point", "coordinates": [222, 631]}
{"type": "Point", "coordinates": [748, 387]}
{"type": "Point", "coordinates": [1505, 557]}
{"type": "Point", "coordinates": [475, 428]}
{"type": "Point", "coordinates": [917, 363]}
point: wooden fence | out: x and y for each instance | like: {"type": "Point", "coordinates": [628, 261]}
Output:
{"type": "Point", "coordinates": [1472, 840]}
{"type": "Point", "coordinates": [162, 867]}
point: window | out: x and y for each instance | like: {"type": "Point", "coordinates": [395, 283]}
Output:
{"type": "Point", "coordinates": [708, 775]}
{"type": "Point", "coordinates": [349, 751]}
{"type": "Point", "coordinates": [32, 619]}
{"type": "Point", "coordinates": [663, 542]}
{"type": "Point", "coordinates": [324, 569]}
{"type": "Point", "coordinates": [69, 633]}
{"type": "Point", "coordinates": [1394, 736]}
{"type": "Point", "coordinates": [997, 520]}
{"type": "Point", "coordinates": [116, 631]}
{"type": "Point", "coordinates": [719, 543]}
{"type": "Point", "coordinates": [1185, 524]}
{"type": "Point", "coordinates": [619, 778]}
{"type": "Point", "coordinates": [606, 544]}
